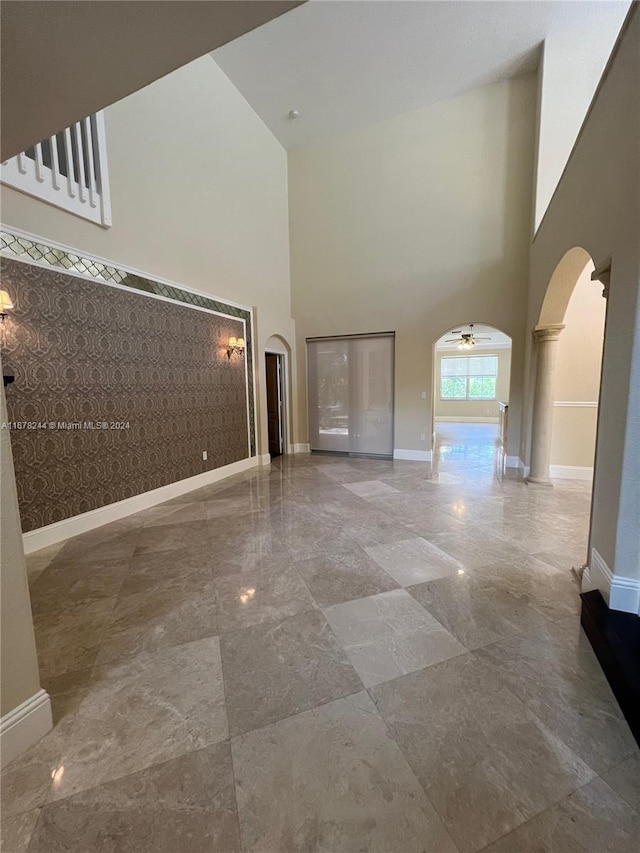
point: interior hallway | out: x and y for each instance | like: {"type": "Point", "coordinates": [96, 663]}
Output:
{"type": "Point", "coordinates": [331, 654]}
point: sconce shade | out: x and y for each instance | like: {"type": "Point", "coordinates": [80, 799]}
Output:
{"type": "Point", "coordinates": [5, 302]}
{"type": "Point", "coordinates": [236, 345]}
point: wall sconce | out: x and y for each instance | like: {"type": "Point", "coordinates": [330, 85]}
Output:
{"type": "Point", "coordinates": [235, 345]}
{"type": "Point", "coordinates": [5, 304]}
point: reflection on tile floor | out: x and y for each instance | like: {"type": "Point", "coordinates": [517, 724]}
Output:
{"type": "Point", "coordinates": [334, 655]}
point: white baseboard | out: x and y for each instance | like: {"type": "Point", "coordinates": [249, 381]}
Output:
{"type": "Point", "coordinates": [61, 530]}
{"type": "Point", "coordinates": [513, 462]}
{"type": "Point", "coordinates": [524, 469]}
{"type": "Point", "coordinates": [464, 420]}
{"type": "Point", "coordinates": [265, 459]}
{"type": "Point", "coordinates": [625, 595]}
{"type": "Point", "coordinates": [24, 726]}
{"type": "Point", "coordinates": [413, 455]}
{"type": "Point", "coordinates": [620, 593]}
{"type": "Point", "coordinates": [300, 448]}
{"type": "Point", "coordinates": [570, 472]}
{"type": "Point", "coordinates": [586, 583]}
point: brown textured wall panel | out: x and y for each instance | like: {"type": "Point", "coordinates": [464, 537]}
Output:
{"type": "Point", "coordinates": [84, 352]}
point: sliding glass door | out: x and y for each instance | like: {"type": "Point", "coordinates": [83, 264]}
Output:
{"type": "Point", "coordinates": [351, 394]}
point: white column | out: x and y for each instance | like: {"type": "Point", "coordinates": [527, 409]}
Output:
{"type": "Point", "coordinates": [542, 426]}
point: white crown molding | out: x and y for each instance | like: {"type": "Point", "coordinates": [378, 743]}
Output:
{"type": "Point", "coordinates": [24, 726]}
{"type": "Point", "coordinates": [412, 455]}
{"type": "Point", "coordinates": [576, 404]}
{"type": "Point", "coordinates": [68, 527]}
{"type": "Point", "coordinates": [570, 472]}
{"type": "Point", "coordinates": [620, 592]}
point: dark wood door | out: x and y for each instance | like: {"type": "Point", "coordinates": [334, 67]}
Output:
{"type": "Point", "coordinates": [274, 403]}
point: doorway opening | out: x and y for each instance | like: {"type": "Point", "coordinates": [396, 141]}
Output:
{"type": "Point", "coordinates": [574, 302]}
{"type": "Point", "coordinates": [274, 372]}
{"type": "Point", "coordinates": [472, 375]}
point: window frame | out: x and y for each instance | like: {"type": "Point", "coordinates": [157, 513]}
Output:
{"type": "Point", "coordinates": [466, 377]}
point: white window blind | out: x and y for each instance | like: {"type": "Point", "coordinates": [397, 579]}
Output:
{"type": "Point", "coordinates": [468, 377]}
{"type": "Point", "coordinates": [351, 394]}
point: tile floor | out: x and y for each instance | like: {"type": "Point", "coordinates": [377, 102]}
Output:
{"type": "Point", "coordinates": [333, 654]}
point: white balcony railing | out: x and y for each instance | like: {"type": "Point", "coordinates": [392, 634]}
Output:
{"type": "Point", "coordinates": [68, 170]}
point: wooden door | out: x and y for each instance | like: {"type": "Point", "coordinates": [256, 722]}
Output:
{"type": "Point", "coordinates": [274, 402]}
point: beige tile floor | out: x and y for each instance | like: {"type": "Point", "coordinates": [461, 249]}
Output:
{"type": "Point", "coordinates": [333, 654]}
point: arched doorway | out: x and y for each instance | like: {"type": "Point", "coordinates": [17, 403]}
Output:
{"type": "Point", "coordinates": [277, 373]}
{"type": "Point", "coordinates": [472, 377]}
{"type": "Point", "coordinates": [569, 339]}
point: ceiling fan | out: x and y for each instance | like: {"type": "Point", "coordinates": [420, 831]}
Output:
{"type": "Point", "coordinates": [467, 340]}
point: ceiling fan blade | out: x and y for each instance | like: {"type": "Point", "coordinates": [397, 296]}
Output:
{"type": "Point", "coordinates": [476, 338]}
{"type": "Point", "coordinates": [452, 340]}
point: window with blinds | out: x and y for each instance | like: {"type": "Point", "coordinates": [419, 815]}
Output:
{"type": "Point", "coordinates": [468, 377]}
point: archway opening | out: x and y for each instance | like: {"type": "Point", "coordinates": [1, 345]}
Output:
{"type": "Point", "coordinates": [574, 301]}
{"type": "Point", "coordinates": [472, 376]}
{"type": "Point", "coordinates": [277, 369]}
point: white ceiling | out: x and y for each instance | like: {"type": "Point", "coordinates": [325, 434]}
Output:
{"type": "Point", "coordinates": [498, 339]}
{"type": "Point", "coordinates": [346, 63]}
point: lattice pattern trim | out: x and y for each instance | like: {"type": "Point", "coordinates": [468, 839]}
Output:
{"type": "Point", "coordinates": [35, 251]}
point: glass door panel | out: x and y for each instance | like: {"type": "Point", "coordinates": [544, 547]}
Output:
{"type": "Point", "coordinates": [351, 394]}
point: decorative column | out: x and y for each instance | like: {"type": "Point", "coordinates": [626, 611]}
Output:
{"type": "Point", "coordinates": [545, 338]}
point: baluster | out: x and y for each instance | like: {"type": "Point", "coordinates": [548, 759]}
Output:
{"type": "Point", "coordinates": [55, 165]}
{"type": "Point", "coordinates": [103, 169]}
{"type": "Point", "coordinates": [90, 168]}
{"type": "Point", "coordinates": [38, 151]}
{"type": "Point", "coordinates": [71, 168]}
{"type": "Point", "coordinates": [81, 175]}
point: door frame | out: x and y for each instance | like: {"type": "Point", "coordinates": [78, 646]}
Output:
{"type": "Point", "coordinates": [284, 387]}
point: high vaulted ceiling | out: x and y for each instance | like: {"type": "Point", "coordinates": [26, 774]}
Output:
{"type": "Point", "coordinates": [62, 61]}
{"type": "Point", "coordinates": [352, 62]}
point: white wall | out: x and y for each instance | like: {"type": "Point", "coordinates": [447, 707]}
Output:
{"type": "Point", "coordinates": [199, 197]}
{"type": "Point", "coordinates": [577, 376]}
{"type": "Point", "coordinates": [25, 708]}
{"type": "Point", "coordinates": [19, 670]}
{"type": "Point", "coordinates": [596, 207]}
{"type": "Point", "coordinates": [413, 225]}
{"type": "Point", "coordinates": [572, 63]}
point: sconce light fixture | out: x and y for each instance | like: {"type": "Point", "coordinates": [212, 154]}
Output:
{"type": "Point", "coordinates": [235, 345]}
{"type": "Point", "coordinates": [5, 304]}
